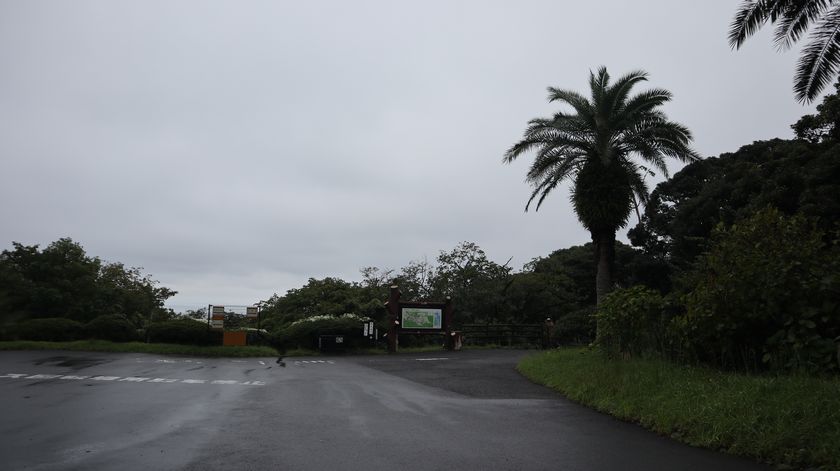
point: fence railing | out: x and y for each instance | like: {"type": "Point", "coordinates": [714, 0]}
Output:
{"type": "Point", "coordinates": [503, 334]}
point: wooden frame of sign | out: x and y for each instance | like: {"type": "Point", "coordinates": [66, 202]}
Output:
{"type": "Point", "coordinates": [417, 318]}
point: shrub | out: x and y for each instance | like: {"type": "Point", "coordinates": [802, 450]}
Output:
{"type": "Point", "coordinates": [183, 331]}
{"type": "Point", "coordinates": [631, 322]}
{"type": "Point", "coordinates": [304, 333]}
{"type": "Point", "coordinates": [765, 296]}
{"type": "Point", "coordinates": [576, 327]}
{"type": "Point", "coordinates": [52, 329]}
{"type": "Point", "coordinates": [113, 327]}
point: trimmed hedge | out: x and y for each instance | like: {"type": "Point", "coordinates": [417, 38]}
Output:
{"type": "Point", "coordinates": [51, 329]}
{"type": "Point", "coordinates": [184, 332]}
{"type": "Point", "coordinates": [113, 327]}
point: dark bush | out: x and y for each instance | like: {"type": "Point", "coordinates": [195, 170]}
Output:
{"type": "Point", "coordinates": [630, 322]}
{"type": "Point", "coordinates": [113, 327]}
{"type": "Point", "coordinates": [304, 333]}
{"type": "Point", "coordinates": [575, 328]}
{"type": "Point", "coordinates": [765, 296]}
{"type": "Point", "coordinates": [183, 331]}
{"type": "Point", "coordinates": [53, 329]}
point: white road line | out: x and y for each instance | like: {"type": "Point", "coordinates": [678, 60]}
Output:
{"type": "Point", "coordinates": [131, 379]}
{"type": "Point", "coordinates": [262, 362]}
{"type": "Point", "coordinates": [430, 359]}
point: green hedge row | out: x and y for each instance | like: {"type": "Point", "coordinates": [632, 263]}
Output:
{"type": "Point", "coordinates": [115, 328]}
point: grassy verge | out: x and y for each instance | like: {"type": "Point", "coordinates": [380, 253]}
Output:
{"type": "Point", "coordinates": [786, 420]}
{"type": "Point", "coordinates": [139, 347]}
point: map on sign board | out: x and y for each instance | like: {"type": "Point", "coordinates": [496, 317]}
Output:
{"type": "Point", "coordinates": [421, 318]}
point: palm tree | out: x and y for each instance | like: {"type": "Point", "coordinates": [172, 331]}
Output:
{"type": "Point", "coordinates": [594, 147]}
{"type": "Point", "coordinates": [820, 58]}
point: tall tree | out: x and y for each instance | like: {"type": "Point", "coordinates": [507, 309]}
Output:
{"type": "Point", "coordinates": [594, 146]}
{"type": "Point", "coordinates": [820, 58]}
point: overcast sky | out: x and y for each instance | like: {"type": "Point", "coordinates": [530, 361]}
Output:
{"type": "Point", "coordinates": [235, 149]}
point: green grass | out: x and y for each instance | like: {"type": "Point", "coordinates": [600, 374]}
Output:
{"type": "Point", "coordinates": [139, 347]}
{"type": "Point", "coordinates": [786, 420]}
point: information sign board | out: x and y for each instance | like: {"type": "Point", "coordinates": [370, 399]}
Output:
{"type": "Point", "coordinates": [422, 318]}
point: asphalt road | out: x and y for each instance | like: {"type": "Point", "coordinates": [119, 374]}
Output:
{"type": "Point", "coordinates": [463, 410]}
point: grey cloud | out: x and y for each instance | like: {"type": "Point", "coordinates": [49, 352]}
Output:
{"type": "Point", "coordinates": [235, 149]}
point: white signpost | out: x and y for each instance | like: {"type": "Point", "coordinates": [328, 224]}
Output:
{"type": "Point", "coordinates": [217, 320]}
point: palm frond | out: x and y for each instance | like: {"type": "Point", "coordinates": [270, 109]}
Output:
{"type": "Point", "coordinates": [552, 162]}
{"type": "Point", "coordinates": [751, 16]}
{"type": "Point", "coordinates": [820, 58]}
{"type": "Point", "coordinates": [638, 183]}
{"type": "Point", "coordinates": [795, 21]}
{"type": "Point", "coordinates": [645, 101]}
{"type": "Point", "coordinates": [575, 100]}
{"type": "Point", "coordinates": [621, 89]}
{"type": "Point", "coordinates": [545, 188]}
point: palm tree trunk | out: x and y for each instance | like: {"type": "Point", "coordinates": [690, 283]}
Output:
{"type": "Point", "coordinates": [604, 243]}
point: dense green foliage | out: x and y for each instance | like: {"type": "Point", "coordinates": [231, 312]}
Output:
{"type": "Point", "coordinates": [794, 176]}
{"type": "Point", "coordinates": [751, 239]}
{"type": "Point", "coordinates": [792, 420]}
{"type": "Point", "coordinates": [113, 327]}
{"type": "Point", "coordinates": [767, 292]}
{"type": "Point", "coordinates": [51, 329]}
{"type": "Point", "coordinates": [631, 322]}
{"type": "Point", "coordinates": [63, 281]}
{"type": "Point", "coordinates": [595, 147]}
{"type": "Point", "coordinates": [184, 332]}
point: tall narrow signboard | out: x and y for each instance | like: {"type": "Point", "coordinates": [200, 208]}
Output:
{"type": "Point", "coordinates": [217, 321]}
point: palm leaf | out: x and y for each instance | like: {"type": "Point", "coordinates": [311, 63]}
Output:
{"type": "Point", "coordinates": [795, 21]}
{"type": "Point", "coordinates": [750, 18]}
{"type": "Point", "coordinates": [820, 58]}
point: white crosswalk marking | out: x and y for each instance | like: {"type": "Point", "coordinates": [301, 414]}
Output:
{"type": "Point", "coordinates": [313, 362]}
{"type": "Point", "coordinates": [130, 379]}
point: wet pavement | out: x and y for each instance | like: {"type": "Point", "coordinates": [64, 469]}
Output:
{"type": "Point", "coordinates": [444, 410]}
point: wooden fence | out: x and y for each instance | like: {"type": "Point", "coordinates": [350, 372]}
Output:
{"type": "Point", "coordinates": [504, 334]}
